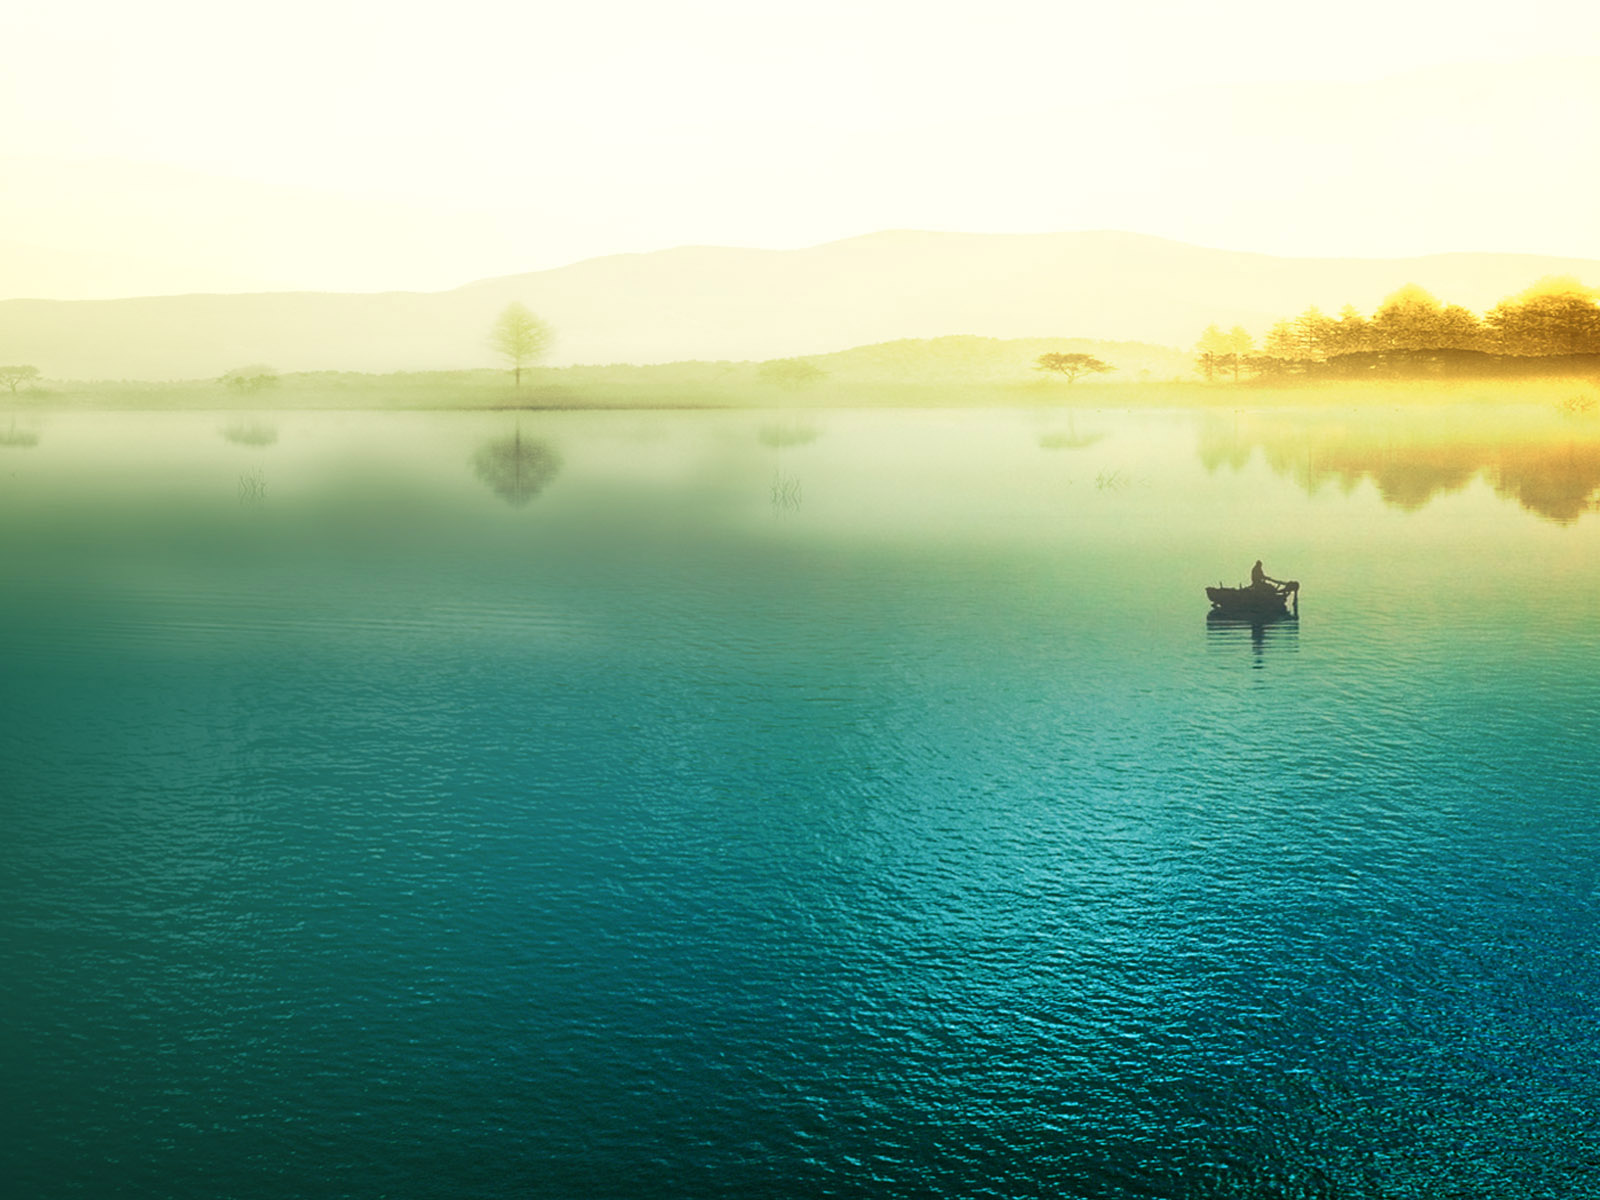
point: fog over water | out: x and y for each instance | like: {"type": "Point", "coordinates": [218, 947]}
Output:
{"type": "Point", "coordinates": [840, 803]}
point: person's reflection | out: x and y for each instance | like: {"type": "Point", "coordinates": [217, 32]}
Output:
{"type": "Point", "coordinates": [1278, 635]}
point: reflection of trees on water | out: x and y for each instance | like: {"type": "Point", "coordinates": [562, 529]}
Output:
{"type": "Point", "coordinates": [516, 468]}
{"type": "Point", "coordinates": [780, 436]}
{"type": "Point", "coordinates": [253, 486]}
{"type": "Point", "coordinates": [18, 439]}
{"type": "Point", "coordinates": [1222, 445]}
{"type": "Point", "coordinates": [1557, 482]}
{"type": "Point", "coordinates": [786, 493]}
{"type": "Point", "coordinates": [1071, 439]}
{"type": "Point", "coordinates": [250, 433]}
{"type": "Point", "coordinates": [1554, 473]}
{"type": "Point", "coordinates": [790, 433]}
{"type": "Point", "coordinates": [1068, 441]}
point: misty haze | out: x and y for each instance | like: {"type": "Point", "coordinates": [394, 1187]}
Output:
{"type": "Point", "coordinates": [856, 602]}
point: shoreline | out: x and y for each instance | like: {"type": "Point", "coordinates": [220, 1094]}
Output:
{"type": "Point", "coordinates": [430, 393]}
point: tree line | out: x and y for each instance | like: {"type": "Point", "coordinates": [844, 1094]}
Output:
{"type": "Point", "coordinates": [1555, 316]}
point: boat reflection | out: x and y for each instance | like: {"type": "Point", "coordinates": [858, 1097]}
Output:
{"type": "Point", "coordinates": [1280, 633]}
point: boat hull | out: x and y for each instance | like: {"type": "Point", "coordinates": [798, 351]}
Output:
{"type": "Point", "coordinates": [1257, 604]}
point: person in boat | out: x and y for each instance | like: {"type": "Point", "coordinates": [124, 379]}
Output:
{"type": "Point", "coordinates": [1262, 582]}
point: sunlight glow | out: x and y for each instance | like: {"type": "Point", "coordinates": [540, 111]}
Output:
{"type": "Point", "coordinates": [343, 144]}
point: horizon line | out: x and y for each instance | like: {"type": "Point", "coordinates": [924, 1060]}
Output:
{"type": "Point", "coordinates": [687, 247]}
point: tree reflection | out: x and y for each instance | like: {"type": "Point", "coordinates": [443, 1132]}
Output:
{"type": "Point", "coordinates": [1558, 481]}
{"type": "Point", "coordinates": [18, 439]}
{"type": "Point", "coordinates": [250, 433]}
{"type": "Point", "coordinates": [1551, 471]}
{"type": "Point", "coordinates": [791, 433]}
{"type": "Point", "coordinates": [516, 468]}
{"type": "Point", "coordinates": [253, 486]}
{"type": "Point", "coordinates": [786, 493]}
{"type": "Point", "coordinates": [1070, 440]}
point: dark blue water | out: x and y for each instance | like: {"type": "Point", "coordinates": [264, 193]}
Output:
{"type": "Point", "coordinates": [863, 807]}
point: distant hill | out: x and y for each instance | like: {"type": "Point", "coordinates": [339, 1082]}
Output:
{"type": "Point", "coordinates": [930, 368]}
{"type": "Point", "coordinates": [713, 303]}
{"type": "Point", "coordinates": [965, 359]}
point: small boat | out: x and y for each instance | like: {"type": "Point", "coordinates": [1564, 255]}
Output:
{"type": "Point", "coordinates": [1256, 603]}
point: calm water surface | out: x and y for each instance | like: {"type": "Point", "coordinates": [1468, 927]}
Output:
{"type": "Point", "coordinates": [848, 804]}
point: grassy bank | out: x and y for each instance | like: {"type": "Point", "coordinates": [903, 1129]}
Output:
{"type": "Point", "coordinates": [942, 372]}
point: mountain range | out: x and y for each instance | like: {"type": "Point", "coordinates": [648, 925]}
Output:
{"type": "Point", "coordinates": [720, 303]}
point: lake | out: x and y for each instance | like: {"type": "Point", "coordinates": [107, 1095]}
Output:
{"type": "Point", "coordinates": [703, 804]}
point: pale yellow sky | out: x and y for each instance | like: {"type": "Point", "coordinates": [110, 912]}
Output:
{"type": "Point", "coordinates": [177, 144]}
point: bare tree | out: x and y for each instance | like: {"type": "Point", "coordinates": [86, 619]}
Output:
{"type": "Point", "coordinates": [519, 337]}
{"type": "Point", "coordinates": [1072, 365]}
{"type": "Point", "coordinates": [14, 377]}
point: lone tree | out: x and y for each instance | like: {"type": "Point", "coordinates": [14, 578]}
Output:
{"type": "Point", "coordinates": [519, 337]}
{"type": "Point", "coordinates": [1073, 365]}
{"type": "Point", "coordinates": [13, 377]}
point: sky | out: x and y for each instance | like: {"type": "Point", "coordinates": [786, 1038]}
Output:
{"type": "Point", "coordinates": [340, 144]}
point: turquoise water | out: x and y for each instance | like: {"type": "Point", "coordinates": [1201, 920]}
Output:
{"type": "Point", "coordinates": [846, 804]}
